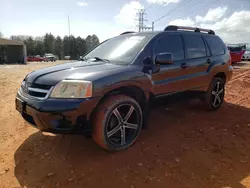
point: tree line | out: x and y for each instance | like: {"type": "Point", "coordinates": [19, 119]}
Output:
{"type": "Point", "coordinates": [61, 47]}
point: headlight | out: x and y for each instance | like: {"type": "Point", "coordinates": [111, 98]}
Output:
{"type": "Point", "coordinates": [72, 89]}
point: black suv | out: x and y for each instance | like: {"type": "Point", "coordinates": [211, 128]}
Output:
{"type": "Point", "coordinates": [110, 91]}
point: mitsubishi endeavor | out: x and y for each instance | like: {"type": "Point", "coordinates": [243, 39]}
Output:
{"type": "Point", "coordinates": [110, 90]}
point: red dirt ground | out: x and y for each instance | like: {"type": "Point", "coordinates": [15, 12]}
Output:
{"type": "Point", "coordinates": [185, 146]}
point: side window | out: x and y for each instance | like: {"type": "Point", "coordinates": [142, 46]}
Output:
{"type": "Point", "coordinates": [172, 44]}
{"type": "Point", "coordinates": [195, 46]}
{"type": "Point", "coordinates": [215, 44]}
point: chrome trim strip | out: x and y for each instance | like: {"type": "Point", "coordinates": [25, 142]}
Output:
{"type": "Point", "coordinates": [20, 92]}
{"type": "Point", "coordinates": [38, 90]}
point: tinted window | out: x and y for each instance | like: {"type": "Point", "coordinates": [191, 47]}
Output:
{"type": "Point", "coordinates": [172, 44]}
{"type": "Point", "coordinates": [195, 46]}
{"type": "Point", "coordinates": [215, 44]}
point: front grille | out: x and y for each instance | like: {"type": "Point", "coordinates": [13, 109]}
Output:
{"type": "Point", "coordinates": [37, 94]}
{"type": "Point", "coordinates": [39, 91]}
{"type": "Point", "coordinates": [40, 86]}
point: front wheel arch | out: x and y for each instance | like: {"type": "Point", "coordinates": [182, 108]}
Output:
{"type": "Point", "coordinates": [132, 91]}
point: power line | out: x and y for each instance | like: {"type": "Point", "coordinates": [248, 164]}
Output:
{"type": "Point", "coordinates": [148, 7]}
{"type": "Point", "coordinates": [195, 2]}
{"type": "Point", "coordinates": [209, 2]}
{"type": "Point", "coordinates": [174, 9]}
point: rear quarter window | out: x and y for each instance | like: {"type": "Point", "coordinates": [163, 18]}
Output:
{"type": "Point", "coordinates": [216, 45]}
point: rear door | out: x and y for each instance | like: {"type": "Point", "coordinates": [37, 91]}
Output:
{"type": "Point", "coordinates": [197, 60]}
{"type": "Point", "coordinates": [220, 55]}
{"type": "Point", "coordinates": [167, 78]}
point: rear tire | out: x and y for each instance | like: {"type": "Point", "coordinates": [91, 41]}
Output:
{"type": "Point", "coordinates": [117, 123]}
{"type": "Point", "coordinates": [214, 97]}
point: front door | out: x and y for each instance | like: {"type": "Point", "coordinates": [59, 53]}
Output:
{"type": "Point", "coordinates": [168, 78]}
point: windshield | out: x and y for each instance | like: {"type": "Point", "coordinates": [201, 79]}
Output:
{"type": "Point", "coordinates": [122, 49]}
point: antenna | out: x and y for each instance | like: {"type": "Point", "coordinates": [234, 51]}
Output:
{"type": "Point", "coordinates": [69, 25]}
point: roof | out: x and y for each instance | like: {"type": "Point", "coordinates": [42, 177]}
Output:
{"type": "Point", "coordinates": [10, 42]}
{"type": "Point", "coordinates": [178, 31]}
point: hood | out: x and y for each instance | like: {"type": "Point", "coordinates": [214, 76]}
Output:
{"type": "Point", "coordinates": [80, 70]}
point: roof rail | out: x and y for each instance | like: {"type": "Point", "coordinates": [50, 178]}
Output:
{"type": "Point", "coordinates": [127, 32]}
{"type": "Point", "coordinates": [195, 29]}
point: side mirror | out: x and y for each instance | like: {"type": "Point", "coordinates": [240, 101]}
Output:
{"type": "Point", "coordinates": [164, 58]}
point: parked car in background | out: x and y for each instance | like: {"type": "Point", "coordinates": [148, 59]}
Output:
{"type": "Point", "coordinates": [81, 58]}
{"type": "Point", "coordinates": [236, 52]}
{"type": "Point", "coordinates": [246, 55]}
{"type": "Point", "coordinates": [49, 57]}
{"type": "Point", "coordinates": [110, 92]}
{"type": "Point", "coordinates": [67, 57]}
{"type": "Point", "coordinates": [35, 58]}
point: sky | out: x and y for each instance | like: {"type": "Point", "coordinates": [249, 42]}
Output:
{"type": "Point", "coordinates": [107, 18]}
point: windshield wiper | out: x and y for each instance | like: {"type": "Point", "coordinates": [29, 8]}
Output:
{"type": "Point", "coordinates": [96, 58]}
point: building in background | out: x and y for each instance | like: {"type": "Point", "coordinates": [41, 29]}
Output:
{"type": "Point", "coordinates": [12, 52]}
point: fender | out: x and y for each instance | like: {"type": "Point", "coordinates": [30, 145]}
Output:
{"type": "Point", "coordinates": [128, 83]}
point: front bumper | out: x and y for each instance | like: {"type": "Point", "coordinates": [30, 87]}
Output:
{"type": "Point", "coordinates": [57, 115]}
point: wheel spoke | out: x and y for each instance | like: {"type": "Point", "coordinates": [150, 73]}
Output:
{"type": "Point", "coordinates": [113, 131]}
{"type": "Point", "coordinates": [215, 100]}
{"type": "Point", "coordinates": [221, 91]}
{"type": "Point", "coordinates": [131, 109]}
{"type": "Point", "coordinates": [219, 100]}
{"type": "Point", "coordinates": [130, 125]}
{"type": "Point", "coordinates": [123, 136]}
{"type": "Point", "coordinates": [218, 87]}
{"type": "Point", "coordinates": [118, 115]}
{"type": "Point", "coordinates": [213, 93]}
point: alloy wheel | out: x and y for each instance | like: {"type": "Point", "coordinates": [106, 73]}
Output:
{"type": "Point", "coordinates": [122, 125]}
{"type": "Point", "coordinates": [217, 94]}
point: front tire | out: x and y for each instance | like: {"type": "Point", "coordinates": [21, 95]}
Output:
{"type": "Point", "coordinates": [214, 97]}
{"type": "Point", "coordinates": [117, 123]}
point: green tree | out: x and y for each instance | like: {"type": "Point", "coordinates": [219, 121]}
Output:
{"type": "Point", "coordinates": [88, 42]}
{"type": "Point", "coordinates": [49, 43]}
{"type": "Point", "coordinates": [30, 46]}
{"type": "Point", "coordinates": [39, 48]}
{"type": "Point", "coordinates": [95, 40]}
{"type": "Point", "coordinates": [73, 48]}
{"type": "Point", "coordinates": [20, 37]}
{"type": "Point", "coordinates": [66, 46]}
{"type": "Point", "coordinates": [59, 47]}
{"type": "Point", "coordinates": [92, 41]}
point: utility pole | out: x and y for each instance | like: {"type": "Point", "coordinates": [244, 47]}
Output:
{"type": "Point", "coordinates": [141, 18]}
{"type": "Point", "coordinates": [69, 25]}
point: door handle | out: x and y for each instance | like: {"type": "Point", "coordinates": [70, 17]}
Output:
{"type": "Point", "coordinates": [209, 61]}
{"type": "Point", "coordinates": [184, 65]}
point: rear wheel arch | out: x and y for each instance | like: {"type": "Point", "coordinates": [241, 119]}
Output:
{"type": "Point", "coordinates": [221, 75]}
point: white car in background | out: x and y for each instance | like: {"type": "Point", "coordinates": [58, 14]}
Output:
{"type": "Point", "coordinates": [246, 55]}
{"type": "Point", "coordinates": [49, 57]}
